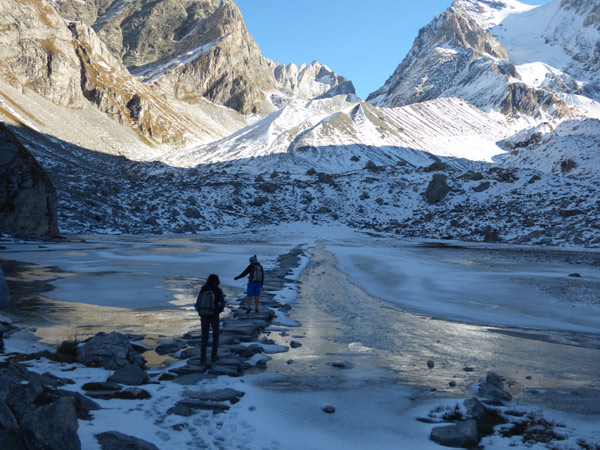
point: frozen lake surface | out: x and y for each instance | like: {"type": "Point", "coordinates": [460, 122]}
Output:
{"type": "Point", "coordinates": [381, 308]}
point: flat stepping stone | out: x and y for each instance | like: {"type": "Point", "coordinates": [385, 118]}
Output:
{"type": "Point", "coordinates": [225, 369]}
{"type": "Point", "coordinates": [219, 395]}
{"type": "Point", "coordinates": [192, 378]}
{"type": "Point", "coordinates": [200, 404]}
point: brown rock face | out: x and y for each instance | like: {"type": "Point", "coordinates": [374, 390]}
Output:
{"type": "Point", "coordinates": [228, 68]}
{"type": "Point", "coordinates": [36, 50]}
{"type": "Point", "coordinates": [27, 197]}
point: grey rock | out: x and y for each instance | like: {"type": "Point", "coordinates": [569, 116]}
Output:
{"type": "Point", "coordinates": [169, 347]}
{"type": "Point", "coordinates": [28, 202]}
{"type": "Point", "coordinates": [110, 351]}
{"type": "Point", "coordinates": [484, 186]}
{"type": "Point", "coordinates": [463, 434]}
{"type": "Point", "coordinates": [21, 399]}
{"type": "Point", "coordinates": [7, 419]}
{"type": "Point", "coordinates": [180, 410]}
{"type": "Point", "coordinates": [295, 344]}
{"type": "Point", "coordinates": [53, 426]}
{"type": "Point", "coordinates": [204, 405]}
{"type": "Point", "coordinates": [113, 440]}
{"type": "Point", "coordinates": [191, 379]}
{"type": "Point", "coordinates": [437, 189]}
{"type": "Point", "coordinates": [102, 386]}
{"type": "Point", "coordinates": [130, 375]}
{"type": "Point", "coordinates": [436, 167]}
{"type": "Point", "coordinates": [83, 404]}
{"type": "Point", "coordinates": [474, 408]}
{"type": "Point", "coordinates": [493, 393]}
{"type": "Point", "coordinates": [328, 409]}
{"type": "Point", "coordinates": [219, 395]}
{"type": "Point", "coordinates": [495, 380]}
{"type": "Point", "coordinates": [132, 393]}
{"type": "Point", "coordinates": [430, 364]}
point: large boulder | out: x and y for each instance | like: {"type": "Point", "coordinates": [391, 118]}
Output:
{"type": "Point", "coordinates": [113, 440]}
{"type": "Point", "coordinates": [463, 434]}
{"type": "Point", "coordinates": [53, 426]}
{"type": "Point", "coordinates": [130, 375]}
{"type": "Point", "coordinates": [34, 415]}
{"type": "Point", "coordinates": [28, 204]}
{"type": "Point", "coordinates": [110, 351]}
{"type": "Point", "coordinates": [437, 189]}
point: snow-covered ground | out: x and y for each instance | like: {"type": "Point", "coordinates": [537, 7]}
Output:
{"type": "Point", "coordinates": [494, 286]}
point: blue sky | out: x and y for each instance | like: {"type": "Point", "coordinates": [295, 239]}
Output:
{"type": "Point", "coordinates": [360, 40]}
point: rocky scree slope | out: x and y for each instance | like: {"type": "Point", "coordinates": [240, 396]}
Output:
{"type": "Point", "coordinates": [439, 201]}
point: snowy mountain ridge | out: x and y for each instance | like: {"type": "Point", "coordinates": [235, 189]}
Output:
{"type": "Point", "coordinates": [457, 145]}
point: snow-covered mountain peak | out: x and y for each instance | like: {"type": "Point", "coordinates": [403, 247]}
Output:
{"type": "Point", "coordinates": [489, 13]}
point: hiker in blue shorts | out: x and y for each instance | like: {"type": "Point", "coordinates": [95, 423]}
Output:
{"type": "Point", "coordinates": [256, 278]}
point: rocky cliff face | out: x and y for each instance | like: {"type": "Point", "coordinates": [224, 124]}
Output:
{"type": "Point", "coordinates": [67, 64]}
{"type": "Point", "coordinates": [190, 50]}
{"type": "Point", "coordinates": [28, 204]}
{"type": "Point", "coordinates": [455, 57]}
{"type": "Point", "coordinates": [314, 81]}
{"type": "Point", "coordinates": [37, 52]}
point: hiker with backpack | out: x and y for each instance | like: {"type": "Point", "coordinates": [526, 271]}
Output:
{"type": "Point", "coordinates": [210, 302]}
{"type": "Point", "coordinates": [256, 278]}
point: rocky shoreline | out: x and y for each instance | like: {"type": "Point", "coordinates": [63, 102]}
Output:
{"type": "Point", "coordinates": [38, 411]}
{"type": "Point", "coordinates": [48, 411]}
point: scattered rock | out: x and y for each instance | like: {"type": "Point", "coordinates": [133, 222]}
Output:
{"type": "Point", "coordinates": [130, 375]}
{"type": "Point", "coordinates": [329, 409]}
{"type": "Point", "coordinates": [566, 213]}
{"type": "Point", "coordinates": [484, 186]}
{"type": "Point", "coordinates": [575, 275]}
{"type": "Point", "coordinates": [436, 166]}
{"type": "Point", "coordinates": [493, 389]}
{"type": "Point", "coordinates": [463, 434]}
{"type": "Point", "coordinates": [430, 364]}
{"type": "Point", "coordinates": [220, 395]}
{"type": "Point", "coordinates": [113, 440]}
{"type": "Point", "coordinates": [109, 351]}
{"type": "Point", "coordinates": [102, 386]}
{"type": "Point", "coordinates": [133, 393]}
{"type": "Point", "coordinates": [295, 344]}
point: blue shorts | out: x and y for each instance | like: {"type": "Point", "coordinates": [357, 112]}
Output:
{"type": "Point", "coordinates": [253, 289]}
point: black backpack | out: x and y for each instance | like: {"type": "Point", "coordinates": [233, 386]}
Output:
{"type": "Point", "coordinates": [206, 303]}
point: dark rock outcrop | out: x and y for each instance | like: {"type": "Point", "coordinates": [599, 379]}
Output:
{"type": "Point", "coordinates": [33, 414]}
{"type": "Point", "coordinates": [113, 440]}
{"type": "Point", "coordinates": [437, 189]}
{"type": "Point", "coordinates": [110, 351]}
{"type": "Point", "coordinates": [28, 204]}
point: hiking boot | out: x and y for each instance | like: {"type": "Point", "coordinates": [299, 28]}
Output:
{"type": "Point", "coordinates": [248, 311]}
{"type": "Point", "coordinates": [203, 360]}
{"type": "Point", "coordinates": [214, 358]}
{"type": "Point", "coordinates": [256, 310]}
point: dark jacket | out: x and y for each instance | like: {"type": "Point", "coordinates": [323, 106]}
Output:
{"type": "Point", "coordinates": [219, 296]}
{"type": "Point", "coordinates": [248, 270]}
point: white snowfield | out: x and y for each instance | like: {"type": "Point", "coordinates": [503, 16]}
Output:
{"type": "Point", "coordinates": [304, 135]}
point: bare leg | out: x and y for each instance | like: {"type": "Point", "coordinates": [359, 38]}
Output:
{"type": "Point", "coordinates": [249, 302]}
{"type": "Point", "coordinates": [255, 303]}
